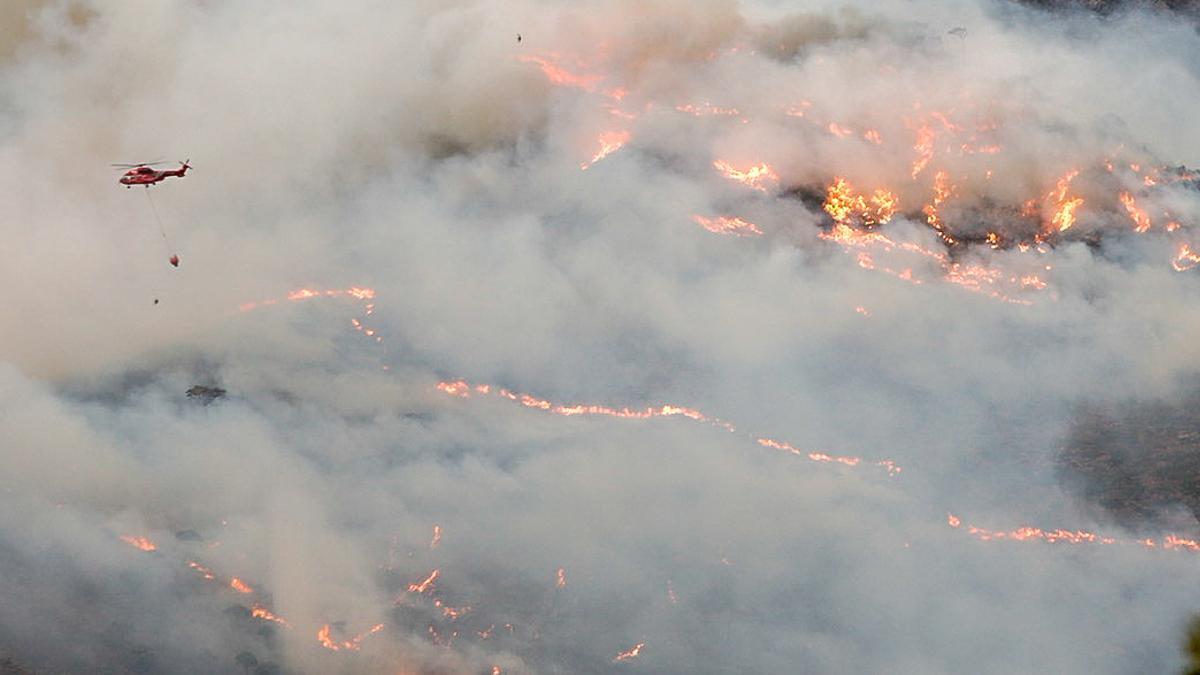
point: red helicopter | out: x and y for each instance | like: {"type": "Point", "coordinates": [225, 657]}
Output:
{"type": "Point", "coordinates": [142, 174]}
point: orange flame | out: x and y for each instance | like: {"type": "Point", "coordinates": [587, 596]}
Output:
{"type": "Point", "coordinates": [887, 464]}
{"type": "Point", "coordinates": [1141, 221]}
{"type": "Point", "coordinates": [706, 109]}
{"type": "Point", "coordinates": [356, 292]}
{"type": "Point", "coordinates": [451, 613]}
{"type": "Point", "coordinates": [204, 572]}
{"type": "Point", "coordinates": [1185, 259]}
{"type": "Point", "coordinates": [1063, 209]}
{"type": "Point", "coordinates": [844, 204]}
{"type": "Point", "coordinates": [463, 389]}
{"type": "Point", "coordinates": [608, 142]}
{"type": "Point", "coordinates": [260, 612]}
{"type": "Point", "coordinates": [352, 644]}
{"type": "Point", "coordinates": [798, 110]}
{"type": "Point", "coordinates": [942, 189]}
{"type": "Point", "coordinates": [140, 543]}
{"type": "Point", "coordinates": [753, 177]}
{"type": "Point", "coordinates": [437, 537]}
{"type": "Point", "coordinates": [727, 225]}
{"type": "Point", "coordinates": [630, 654]}
{"type": "Point", "coordinates": [426, 584]}
{"type": "Point", "coordinates": [573, 410]}
{"type": "Point", "coordinates": [924, 150]}
{"type": "Point", "coordinates": [1061, 536]}
{"type": "Point", "coordinates": [839, 130]}
{"type": "Point", "coordinates": [240, 586]}
{"type": "Point", "coordinates": [974, 278]}
{"type": "Point", "coordinates": [559, 75]}
{"type": "Point", "coordinates": [561, 581]}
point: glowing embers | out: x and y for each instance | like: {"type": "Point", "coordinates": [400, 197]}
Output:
{"type": "Point", "coordinates": [631, 653]}
{"type": "Point", "coordinates": [463, 389]}
{"type": "Point", "coordinates": [727, 225]}
{"type": "Point", "coordinates": [140, 543]}
{"type": "Point", "coordinates": [1185, 258]}
{"type": "Point", "coordinates": [758, 176]}
{"type": "Point", "coordinates": [351, 644]}
{"type": "Point", "coordinates": [847, 207]}
{"type": "Point", "coordinates": [1027, 533]}
{"type": "Point", "coordinates": [607, 143]}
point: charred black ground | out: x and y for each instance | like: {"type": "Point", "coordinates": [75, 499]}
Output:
{"type": "Point", "coordinates": [1138, 462]}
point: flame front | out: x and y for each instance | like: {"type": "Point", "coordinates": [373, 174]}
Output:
{"type": "Point", "coordinates": [630, 653]}
{"type": "Point", "coordinates": [608, 143]}
{"type": "Point", "coordinates": [1185, 258]}
{"type": "Point", "coordinates": [141, 543]}
{"type": "Point", "coordinates": [353, 644]}
{"type": "Point", "coordinates": [727, 225]}
{"type": "Point", "coordinates": [464, 389]}
{"type": "Point", "coordinates": [203, 571]}
{"type": "Point", "coordinates": [425, 585]}
{"type": "Point", "coordinates": [1061, 536]}
{"type": "Point", "coordinates": [757, 176]}
{"type": "Point", "coordinates": [559, 74]}
{"type": "Point", "coordinates": [260, 612]}
{"type": "Point", "coordinates": [886, 464]}
{"type": "Point", "coordinates": [1141, 220]}
{"type": "Point", "coordinates": [1063, 208]}
{"type": "Point", "coordinates": [847, 206]}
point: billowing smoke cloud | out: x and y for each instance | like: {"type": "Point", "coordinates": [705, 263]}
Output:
{"type": "Point", "coordinates": [777, 249]}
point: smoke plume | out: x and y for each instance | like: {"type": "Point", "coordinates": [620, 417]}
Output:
{"type": "Point", "coordinates": [614, 336]}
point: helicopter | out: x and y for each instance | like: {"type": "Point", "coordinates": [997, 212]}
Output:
{"type": "Point", "coordinates": [142, 174]}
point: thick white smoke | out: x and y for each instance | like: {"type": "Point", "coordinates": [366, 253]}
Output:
{"type": "Point", "coordinates": [421, 151]}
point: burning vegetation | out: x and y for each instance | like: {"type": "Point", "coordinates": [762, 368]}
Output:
{"type": "Point", "coordinates": [919, 188]}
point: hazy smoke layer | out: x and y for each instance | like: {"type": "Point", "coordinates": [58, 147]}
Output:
{"type": "Point", "coordinates": [924, 232]}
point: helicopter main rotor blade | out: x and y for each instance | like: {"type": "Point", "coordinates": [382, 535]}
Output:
{"type": "Point", "coordinates": [134, 166]}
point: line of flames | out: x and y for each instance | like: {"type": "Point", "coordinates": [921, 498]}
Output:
{"type": "Point", "coordinates": [464, 389]}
